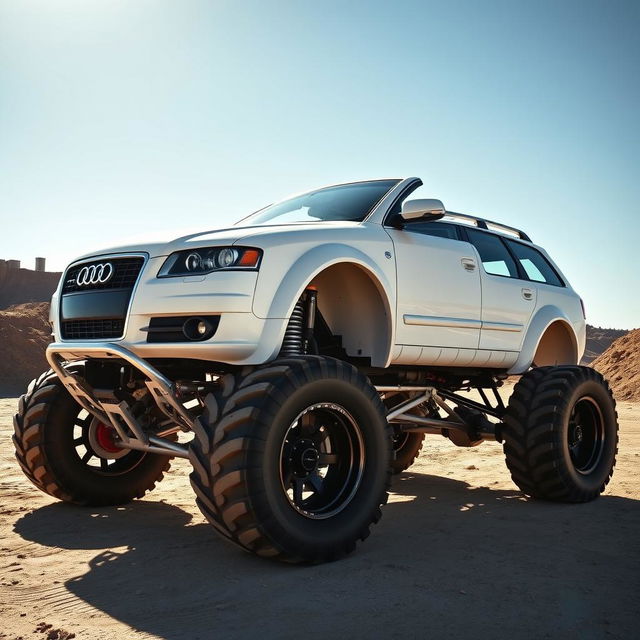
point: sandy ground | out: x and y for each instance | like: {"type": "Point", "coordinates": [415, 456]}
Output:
{"type": "Point", "coordinates": [459, 553]}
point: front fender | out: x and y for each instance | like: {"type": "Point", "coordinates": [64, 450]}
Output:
{"type": "Point", "coordinates": [278, 301]}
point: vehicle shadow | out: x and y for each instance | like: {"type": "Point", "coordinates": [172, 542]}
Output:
{"type": "Point", "coordinates": [446, 561]}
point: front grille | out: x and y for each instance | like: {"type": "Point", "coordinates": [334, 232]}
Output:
{"type": "Point", "coordinates": [84, 329]}
{"type": "Point", "coordinates": [126, 272]}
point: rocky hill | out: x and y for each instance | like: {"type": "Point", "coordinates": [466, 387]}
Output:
{"type": "Point", "coordinates": [620, 364]}
{"type": "Point", "coordinates": [598, 341]}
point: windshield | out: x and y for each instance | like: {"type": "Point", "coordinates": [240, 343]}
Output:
{"type": "Point", "coordinates": [345, 202]}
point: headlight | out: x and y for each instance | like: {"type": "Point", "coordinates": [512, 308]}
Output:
{"type": "Point", "coordinates": [202, 261]}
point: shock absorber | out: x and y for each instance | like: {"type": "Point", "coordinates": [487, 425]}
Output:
{"type": "Point", "coordinates": [299, 338]}
{"type": "Point", "coordinates": [310, 344]}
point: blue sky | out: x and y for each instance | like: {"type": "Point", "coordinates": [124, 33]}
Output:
{"type": "Point", "coordinates": [119, 118]}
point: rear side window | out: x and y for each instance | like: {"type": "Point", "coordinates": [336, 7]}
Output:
{"type": "Point", "coordinates": [495, 257]}
{"type": "Point", "coordinates": [535, 265]}
{"type": "Point", "coordinates": [439, 229]}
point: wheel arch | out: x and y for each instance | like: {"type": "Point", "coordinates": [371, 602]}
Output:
{"type": "Point", "coordinates": [354, 295]}
{"type": "Point", "coordinates": [354, 305]}
{"type": "Point", "coordinates": [550, 340]}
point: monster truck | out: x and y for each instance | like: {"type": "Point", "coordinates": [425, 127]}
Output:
{"type": "Point", "coordinates": [307, 351]}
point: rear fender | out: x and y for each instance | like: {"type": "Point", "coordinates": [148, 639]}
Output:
{"type": "Point", "coordinates": [540, 323]}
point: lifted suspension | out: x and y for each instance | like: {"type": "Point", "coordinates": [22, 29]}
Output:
{"type": "Point", "coordinates": [298, 337]}
{"type": "Point", "coordinates": [461, 426]}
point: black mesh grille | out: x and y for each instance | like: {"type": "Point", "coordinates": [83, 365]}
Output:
{"type": "Point", "coordinates": [83, 329]}
{"type": "Point", "coordinates": [126, 272]}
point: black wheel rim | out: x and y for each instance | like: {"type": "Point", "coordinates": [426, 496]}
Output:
{"type": "Point", "coordinates": [95, 458]}
{"type": "Point", "coordinates": [322, 460]}
{"type": "Point", "coordinates": [586, 435]}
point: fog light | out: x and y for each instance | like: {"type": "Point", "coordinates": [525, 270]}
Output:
{"type": "Point", "coordinates": [198, 328]}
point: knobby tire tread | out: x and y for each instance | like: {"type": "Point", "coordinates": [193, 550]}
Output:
{"type": "Point", "coordinates": [532, 421]}
{"type": "Point", "coordinates": [29, 424]}
{"type": "Point", "coordinates": [220, 450]}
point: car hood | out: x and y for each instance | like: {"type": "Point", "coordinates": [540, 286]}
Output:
{"type": "Point", "coordinates": [158, 245]}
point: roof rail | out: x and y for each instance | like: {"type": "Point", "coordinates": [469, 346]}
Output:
{"type": "Point", "coordinates": [482, 223]}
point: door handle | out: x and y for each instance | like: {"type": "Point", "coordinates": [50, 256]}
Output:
{"type": "Point", "coordinates": [527, 294]}
{"type": "Point", "coordinates": [469, 264]}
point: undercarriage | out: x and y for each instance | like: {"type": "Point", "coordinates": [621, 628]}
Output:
{"type": "Point", "coordinates": [144, 405]}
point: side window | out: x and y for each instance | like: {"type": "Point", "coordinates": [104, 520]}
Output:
{"type": "Point", "coordinates": [496, 260]}
{"type": "Point", "coordinates": [439, 229]}
{"type": "Point", "coordinates": [535, 265]}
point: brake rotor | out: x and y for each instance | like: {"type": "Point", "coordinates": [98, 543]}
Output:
{"type": "Point", "coordinates": [103, 439]}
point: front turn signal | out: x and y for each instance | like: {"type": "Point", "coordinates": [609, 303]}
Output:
{"type": "Point", "coordinates": [250, 258]}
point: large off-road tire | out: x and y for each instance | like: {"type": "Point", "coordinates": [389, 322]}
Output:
{"type": "Point", "coordinates": [406, 448]}
{"type": "Point", "coordinates": [293, 459]}
{"type": "Point", "coordinates": [561, 433]}
{"type": "Point", "coordinates": [56, 443]}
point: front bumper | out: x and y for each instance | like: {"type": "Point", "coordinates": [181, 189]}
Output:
{"type": "Point", "coordinates": [241, 338]}
{"type": "Point", "coordinates": [110, 410]}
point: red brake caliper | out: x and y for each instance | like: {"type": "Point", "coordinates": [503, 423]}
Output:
{"type": "Point", "coordinates": [105, 437]}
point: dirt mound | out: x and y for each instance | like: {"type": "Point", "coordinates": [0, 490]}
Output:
{"type": "Point", "coordinates": [598, 341]}
{"type": "Point", "coordinates": [24, 335]}
{"type": "Point", "coordinates": [620, 364]}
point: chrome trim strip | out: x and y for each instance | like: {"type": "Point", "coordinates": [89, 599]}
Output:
{"type": "Point", "coordinates": [502, 326]}
{"type": "Point", "coordinates": [435, 321]}
{"type": "Point", "coordinates": [459, 323]}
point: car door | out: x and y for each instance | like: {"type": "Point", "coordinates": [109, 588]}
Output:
{"type": "Point", "coordinates": [507, 300]}
{"type": "Point", "coordinates": [438, 287]}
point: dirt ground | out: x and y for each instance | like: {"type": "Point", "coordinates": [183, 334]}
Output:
{"type": "Point", "coordinates": [459, 553]}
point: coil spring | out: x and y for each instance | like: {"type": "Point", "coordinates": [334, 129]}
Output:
{"type": "Point", "coordinates": [293, 336]}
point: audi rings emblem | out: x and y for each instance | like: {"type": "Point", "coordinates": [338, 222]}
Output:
{"type": "Point", "coordinates": [94, 274]}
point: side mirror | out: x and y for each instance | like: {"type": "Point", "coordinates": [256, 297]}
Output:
{"type": "Point", "coordinates": [422, 210]}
